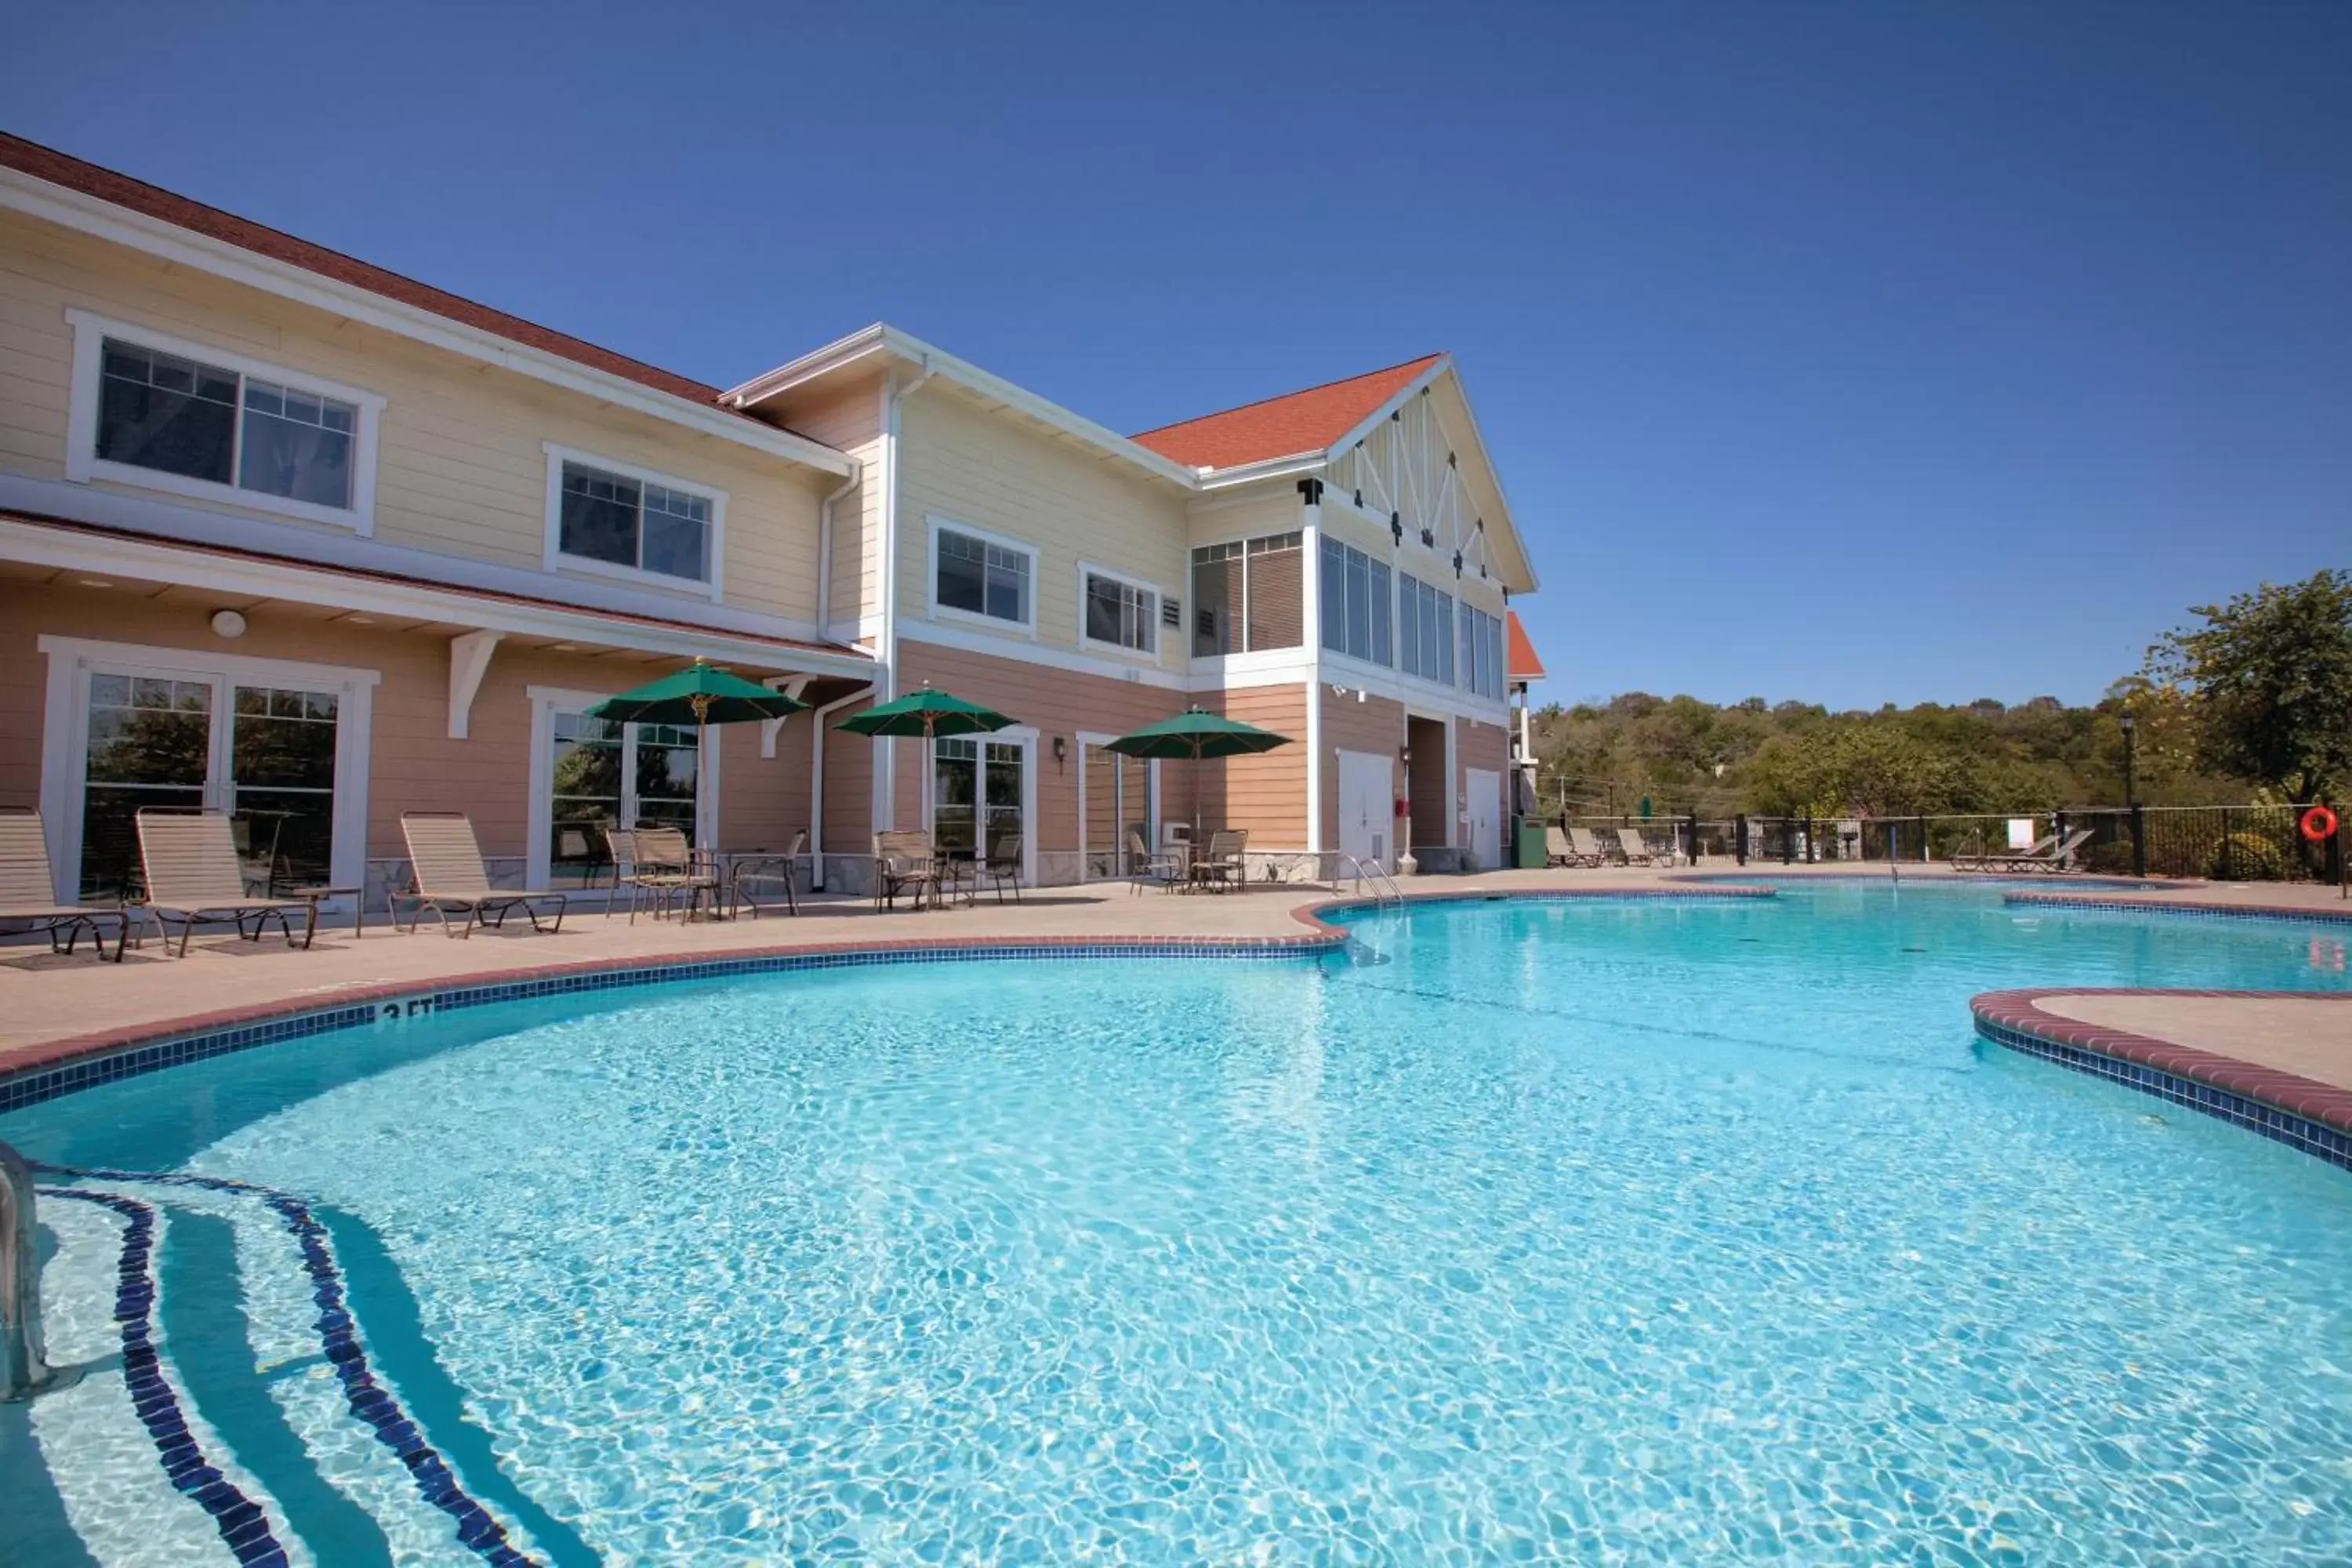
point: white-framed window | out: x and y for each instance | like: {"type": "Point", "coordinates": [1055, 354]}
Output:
{"type": "Point", "coordinates": [1482, 652]}
{"type": "Point", "coordinates": [1425, 627]}
{"type": "Point", "coordinates": [1118, 612]}
{"type": "Point", "coordinates": [1247, 595]}
{"type": "Point", "coordinates": [1355, 603]}
{"type": "Point", "coordinates": [617, 520]}
{"type": "Point", "coordinates": [165, 414]}
{"type": "Point", "coordinates": [976, 575]}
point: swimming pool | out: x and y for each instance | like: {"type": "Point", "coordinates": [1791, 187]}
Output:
{"type": "Point", "coordinates": [1655, 1231]}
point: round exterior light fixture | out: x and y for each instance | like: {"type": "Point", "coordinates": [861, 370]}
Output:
{"type": "Point", "coordinates": [228, 623]}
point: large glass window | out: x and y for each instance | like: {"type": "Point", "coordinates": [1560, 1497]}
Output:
{"type": "Point", "coordinates": [1120, 612]}
{"type": "Point", "coordinates": [633, 523]}
{"type": "Point", "coordinates": [614, 776]}
{"type": "Point", "coordinates": [1426, 622]}
{"type": "Point", "coordinates": [1248, 595]}
{"type": "Point", "coordinates": [1356, 590]}
{"type": "Point", "coordinates": [1482, 652]}
{"type": "Point", "coordinates": [976, 791]}
{"type": "Point", "coordinates": [180, 415]}
{"type": "Point", "coordinates": [981, 578]}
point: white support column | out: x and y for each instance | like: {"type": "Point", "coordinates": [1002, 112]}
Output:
{"type": "Point", "coordinates": [469, 660]}
{"type": "Point", "coordinates": [1311, 546]}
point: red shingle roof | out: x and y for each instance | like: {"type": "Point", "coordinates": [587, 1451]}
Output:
{"type": "Point", "coordinates": [122, 191]}
{"type": "Point", "coordinates": [1522, 661]}
{"type": "Point", "coordinates": [1309, 421]}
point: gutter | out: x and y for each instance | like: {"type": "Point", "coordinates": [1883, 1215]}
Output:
{"type": "Point", "coordinates": [824, 550]}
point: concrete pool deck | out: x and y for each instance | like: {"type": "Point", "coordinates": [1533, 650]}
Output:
{"type": "Point", "coordinates": [60, 1008]}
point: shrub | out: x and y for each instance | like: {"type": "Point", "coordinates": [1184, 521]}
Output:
{"type": "Point", "coordinates": [2109, 860]}
{"type": "Point", "coordinates": [2247, 857]}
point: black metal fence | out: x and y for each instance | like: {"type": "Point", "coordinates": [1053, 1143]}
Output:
{"type": "Point", "coordinates": [2216, 842]}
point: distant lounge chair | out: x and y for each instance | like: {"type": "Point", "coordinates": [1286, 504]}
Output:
{"type": "Point", "coordinates": [904, 862]}
{"type": "Point", "coordinates": [193, 873]}
{"type": "Point", "coordinates": [1558, 851]}
{"type": "Point", "coordinates": [452, 879]}
{"type": "Point", "coordinates": [2061, 858]}
{"type": "Point", "coordinates": [1983, 859]}
{"type": "Point", "coordinates": [1636, 848]}
{"type": "Point", "coordinates": [1587, 847]}
{"type": "Point", "coordinates": [1163, 869]}
{"type": "Point", "coordinates": [28, 893]}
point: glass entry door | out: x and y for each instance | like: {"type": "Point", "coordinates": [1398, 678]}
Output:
{"type": "Point", "coordinates": [614, 776]}
{"type": "Point", "coordinates": [1119, 803]}
{"type": "Point", "coordinates": [977, 790]}
{"type": "Point", "coordinates": [263, 754]}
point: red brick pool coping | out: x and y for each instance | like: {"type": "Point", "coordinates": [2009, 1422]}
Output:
{"type": "Point", "coordinates": [1320, 935]}
{"type": "Point", "coordinates": [2307, 1098]}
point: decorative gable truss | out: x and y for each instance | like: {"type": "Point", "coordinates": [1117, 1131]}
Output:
{"type": "Point", "coordinates": [1405, 473]}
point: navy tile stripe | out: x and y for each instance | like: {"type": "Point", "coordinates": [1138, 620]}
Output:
{"type": "Point", "coordinates": [338, 1334]}
{"type": "Point", "coordinates": [2315, 1139]}
{"type": "Point", "coordinates": [242, 1523]}
{"type": "Point", "coordinates": [2035, 898]}
{"type": "Point", "coordinates": [34, 1086]}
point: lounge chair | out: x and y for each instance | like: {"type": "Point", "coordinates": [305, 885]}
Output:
{"type": "Point", "coordinates": [758, 870]}
{"type": "Point", "coordinates": [1634, 847]}
{"type": "Point", "coordinates": [193, 874]}
{"type": "Point", "coordinates": [1164, 868]}
{"type": "Point", "coordinates": [1558, 851]}
{"type": "Point", "coordinates": [1227, 864]}
{"type": "Point", "coordinates": [451, 879]}
{"type": "Point", "coordinates": [1983, 859]}
{"type": "Point", "coordinates": [904, 862]}
{"type": "Point", "coordinates": [1587, 847]}
{"type": "Point", "coordinates": [28, 893]}
{"type": "Point", "coordinates": [2059, 858]}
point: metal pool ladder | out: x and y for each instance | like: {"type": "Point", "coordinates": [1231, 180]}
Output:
{"type": "Point", "coordinates": [25, 1370]}
{"type": "Point", "coordinates": [1384, 888]}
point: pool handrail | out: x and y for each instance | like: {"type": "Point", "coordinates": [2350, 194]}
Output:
{"type": "Point", "coordinates": [25, 1370]}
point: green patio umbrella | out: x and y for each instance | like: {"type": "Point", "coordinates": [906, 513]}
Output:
{"type": "Point", "coordinates": [1196, 733]}
{"type": "Point", "coordinates": [929, 714]}
{"type": "Point", "coordinates": [701, 696]}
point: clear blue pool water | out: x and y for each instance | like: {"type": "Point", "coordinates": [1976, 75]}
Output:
{"type": "Point", "coordinates": [1633, 1231]}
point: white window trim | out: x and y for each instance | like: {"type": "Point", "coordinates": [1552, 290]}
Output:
{"type": "Point", "coordinates": [538, 840]}
{"type": "Point", "coordinates": [1396, 577]}
{"type": "Point", "coordinates": [1159, 597]}
{"type": "Point", "coordinates": [83, 465]}
{"type": "Point", "coordinates": [934, 610]}
{"type": "Point", "coordinates": [65, 737]}
{"type": "Point", "coordinates": [556, 561]}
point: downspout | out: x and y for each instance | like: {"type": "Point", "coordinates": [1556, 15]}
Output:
{"type": "Point", "coordinates": [886, 765]}
{"type": "Point", "coordinates": [816, 784]}
{"type": "Point", "coordinates": [824, 550]}
{"type": "Point", "coordinates": [1311, 528]}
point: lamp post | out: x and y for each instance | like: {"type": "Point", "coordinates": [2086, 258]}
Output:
{"type": "Point", "coordinates": [2131, 759]}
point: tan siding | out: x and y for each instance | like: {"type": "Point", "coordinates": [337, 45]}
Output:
{"type": "Point", "coordinates": [461, 468]}
{"type": "Point", "coordinates": [995, 472]}
{"type": "Point", "coordinates": [1375, 725]}
{"type": "Point", "coordinates": [850, 417]}
{"type": "Point", "coordinates": [414, 765]}
{"type": "Point", "coordinates": [1266, 794]}
{"type": "Point", "coordinates": [848, 787]}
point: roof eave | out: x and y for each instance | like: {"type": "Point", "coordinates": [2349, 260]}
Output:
{"type": "Point", "coordinates": [888, 343]}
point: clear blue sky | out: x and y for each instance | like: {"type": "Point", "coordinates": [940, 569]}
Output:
{"type": "Point", "coordinates": [1842, 352]}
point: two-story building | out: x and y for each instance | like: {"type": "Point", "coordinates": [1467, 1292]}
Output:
{"type": "Point", "coordinates": [293, 536]}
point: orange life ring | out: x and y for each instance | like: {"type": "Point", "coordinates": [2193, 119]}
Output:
{"type": "Point", "coordinates": [2319, 824]}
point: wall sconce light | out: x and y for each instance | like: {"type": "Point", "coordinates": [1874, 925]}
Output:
{"type": "Point", "coordinates": [1404, 756]}
{"type": "Point", "coordinates": [1061, 749]}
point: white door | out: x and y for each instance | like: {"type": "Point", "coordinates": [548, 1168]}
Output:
{"type": "Point", "coordinates": [1486, 788]}
{"type": "Point", "coordinates": [1365, 805]}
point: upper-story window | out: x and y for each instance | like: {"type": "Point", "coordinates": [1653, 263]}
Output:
{"type": "Point", "coordinates": [165, 414]}
{"type": "Point", "coordinates": [1119, 613]}
{"type": "Point", "coordinates": [616, 519]}
{"type": "Point", "coordinates": [1482, 652]}
{"type": "Point", "coordinates": [1425, 622]}
{"type": "Point", "coordinates": [1248, 595]}
{"type": "Point", "coordinates": [1355, 603]}
{"type": "Point", "coordinates": [980, 574]}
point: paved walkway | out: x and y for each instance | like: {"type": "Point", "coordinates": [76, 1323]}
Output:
{"type": "Point", "coordinates": [2308, 1037]}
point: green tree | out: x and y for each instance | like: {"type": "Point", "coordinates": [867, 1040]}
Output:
{"type": "Point", "coordinates": [2269, 682]}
